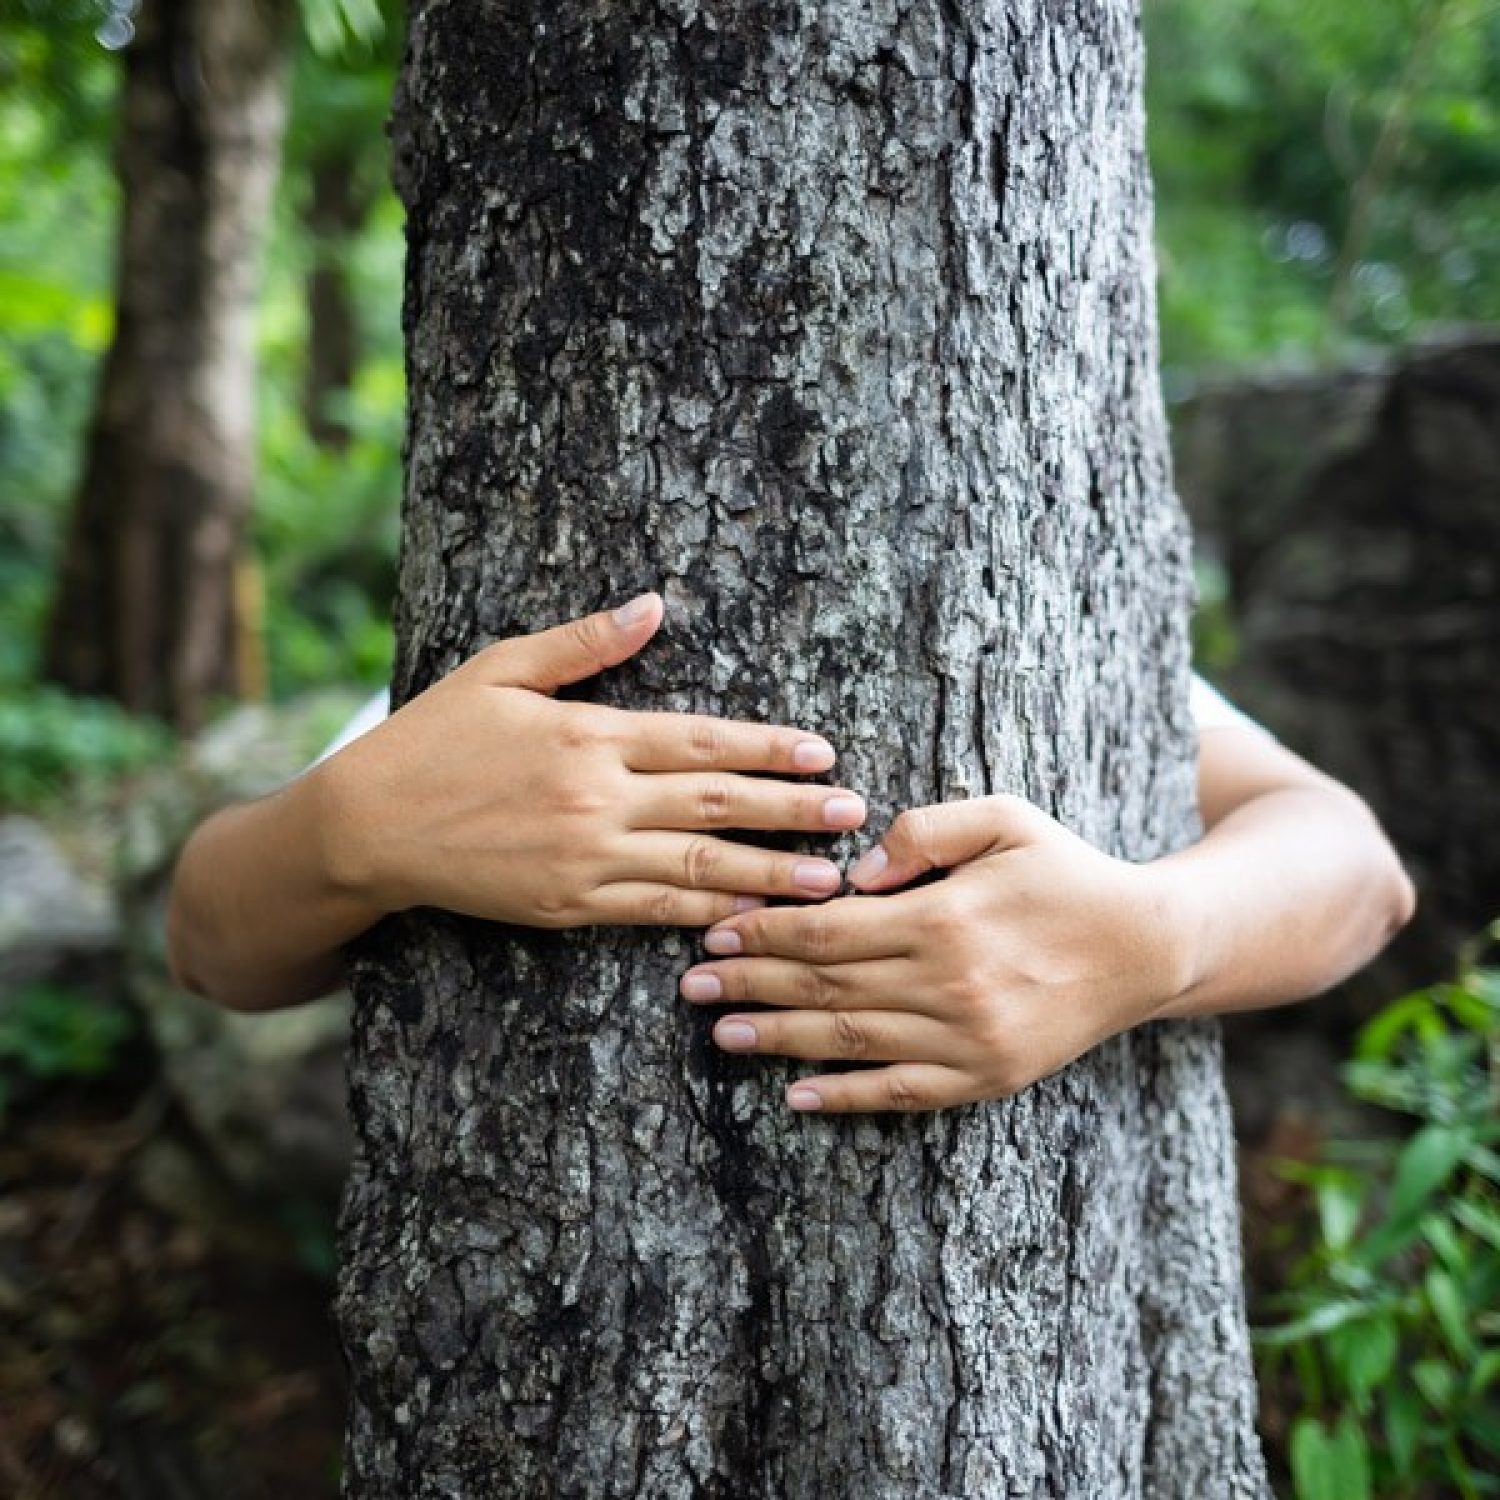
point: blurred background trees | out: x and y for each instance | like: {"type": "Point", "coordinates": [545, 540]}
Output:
{"type": "Point", "coordinates": [1328, 184]}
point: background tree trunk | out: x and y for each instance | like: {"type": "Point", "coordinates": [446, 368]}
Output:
{"type": "Point", "coordinates": [835, 322]}
{"type": "Point", "coordinates": [144, 610]}
{"type": "Point", "coordinates": [338, 202]}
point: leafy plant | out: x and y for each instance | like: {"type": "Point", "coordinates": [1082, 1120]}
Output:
{"type": "Point", "coordinates": [51, 1032]}
{"type": "Point", "coordinates": [51, 743]}
{"type": "Point", "coordinates": [1392, 1327]}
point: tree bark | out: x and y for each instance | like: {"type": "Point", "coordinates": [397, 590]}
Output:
{"type": "Point", "coordinates": [835, 322]}
{"type": "Point", "coordinates": [144, 610]}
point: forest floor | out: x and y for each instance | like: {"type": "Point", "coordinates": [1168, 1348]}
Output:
{"type": "Point", "coordinates": [161, 1339]}
{"type": "Point", "coordinates": [152, 1347]}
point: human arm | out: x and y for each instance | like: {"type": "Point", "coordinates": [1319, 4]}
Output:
{"type": "Point", "coordinates": [1036, 946]}
{"type": "Point", "coordinates": [485, 795]}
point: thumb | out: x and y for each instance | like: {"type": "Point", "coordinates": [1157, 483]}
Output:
{"type": "Point", "coordinates": [944, 835]}
{"type": "Point", "coordinates": [551, 659]}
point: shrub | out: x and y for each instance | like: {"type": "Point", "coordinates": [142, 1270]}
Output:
{"type": "Point", "coordinates": [1392, 1319]}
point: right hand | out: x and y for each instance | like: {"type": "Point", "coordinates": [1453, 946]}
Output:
{"type": "Point", "coordinates": [487, 796]}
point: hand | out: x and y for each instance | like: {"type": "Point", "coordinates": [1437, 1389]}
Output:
{"type": "Point", "coordinates": [1034, 948]}
{"type": "Point", "coordinates": [485, 795]}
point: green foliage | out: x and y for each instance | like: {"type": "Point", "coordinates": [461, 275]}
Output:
{"type": "Point", "coordinates": [48, 1032]}
{"type": "Point", "coordinates": [340, 27]}
{"type": "Point", "coordinates": [1271, 121]}
{"type": "Point", "coordinates": [53, 744]}
{"type": "Point", "coordinates": [1392, 1322]}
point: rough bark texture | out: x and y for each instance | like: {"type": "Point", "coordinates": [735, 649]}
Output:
{"type": "Point", "coordinates": [1357, 519]}
{"type": "Point", "coordinates": [833, 321]}
{"type": "Point", "coordinates": [145, 604]}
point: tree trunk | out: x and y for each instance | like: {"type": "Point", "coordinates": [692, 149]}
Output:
{"type": "Point", "coordinates": [835, 322]}
{"type": "Point", "coordinates": [144, 610]}
{"type": "Point", "coordinates": [337, 204]}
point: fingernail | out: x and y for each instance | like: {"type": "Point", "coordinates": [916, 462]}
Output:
{"type": "Point", "coordinates": [814, 875]}
{"type": "Point", "coordinates": [633, 611]}
{"type": "Point", "coordinates": [844, 811]}
{"type": "Point", "coordinates": [735, 1036]}
{"type": "Point", "coordinates": [804, 1098]}
{"type": "Point", "coordinates": [870, 864]}
{"type": "Point", "coordinates": [812, 755]}
{"type": "Point", "coordinates": [722, 941]}
{"type": "Point", "coordinates": [749, 903]}
{"type": "Point", "coordinates": [701, 987]}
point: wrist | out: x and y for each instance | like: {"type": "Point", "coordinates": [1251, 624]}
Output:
{"type": "Point", "coordinates": [348, 859]}
{"type": "Point", "coordinates": [1177, 916]}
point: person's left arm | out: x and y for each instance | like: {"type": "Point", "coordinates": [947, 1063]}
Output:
{"type": "Point", "coordinates": [1036, 947]}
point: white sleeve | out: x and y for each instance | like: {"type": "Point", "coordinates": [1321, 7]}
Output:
{"type": "Point", "coordinates": [1212, 710]}
{"type": "Point", "coordinates": [366, 717]}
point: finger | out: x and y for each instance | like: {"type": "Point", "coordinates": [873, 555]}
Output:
{"type": "Point", "coordinates": [837, 1036]}
{"type": "Point", "coordinates": [642, 903]}
{"type": "Point", "coordinates": [688, 799]}
{"type": "Point", "coordinates": [944, 835]}
{"type": "Point", "coordinates": [906, 1087]}
{"type": "Point", "coordinates": [702, 862]}
{"type": "Point", "coordinates": [836, 932]}
{"type": "Point", "coordinates": [877, 984]}
{"type": "Point", "coordinates": [551, 659]}
{"type": "Point", "coordinates": [699, 742]}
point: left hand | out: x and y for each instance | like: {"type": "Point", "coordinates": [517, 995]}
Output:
{"type": "Point", "coordinates": [1035, 948]}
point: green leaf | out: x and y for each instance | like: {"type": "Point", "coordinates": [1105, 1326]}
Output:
{"type": "Point", "coordinates": [1364, 1353]}
{"type": "Point", "coordinates": [1484, 1428]}
{"type": "Point", "coordinates": [1436, 1381]}
{"type": "Point", "coordinates": [1426, 1162]}
{"type": "Point", "coordinates": [1351, 1456]}
{"type": "Point", "coordinates": [1485, 1372]}
{"type": "Point", "coordinates": [1403, 1427]}
{"type": "Point", "coordinates": [1339, 1203]}
{"type": "Point", "coordinates": [1377, 1038]}
{"type": "Point", "coordinates": [1447, 1304]}
{"type": "Point", "coordinates": [1328, 1466]}
{"type": "Point", "coordinates": [1313, 1476]}
{"type": "Point", "coordinates": [1320, 1319]}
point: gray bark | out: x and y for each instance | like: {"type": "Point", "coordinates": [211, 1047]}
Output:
{"type": "Point", "coordinates": [145, 605]}
{"type": "Point", "coordinates": [834, 322]}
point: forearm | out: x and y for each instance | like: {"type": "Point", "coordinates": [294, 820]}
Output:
{"type": "Point", "coordinates": [1284, 896]}
{"type": "Point", "coordinates": [257, 917]}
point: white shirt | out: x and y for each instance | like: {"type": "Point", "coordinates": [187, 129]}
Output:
{"type": "Point", "coordinates": [1211, 710]}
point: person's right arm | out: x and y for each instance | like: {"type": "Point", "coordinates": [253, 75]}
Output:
{"type": "Point", "coordinates": [485, 795]}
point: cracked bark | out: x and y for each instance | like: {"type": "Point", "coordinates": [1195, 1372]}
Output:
{"type": "Point", "coordinates": [834, 322]}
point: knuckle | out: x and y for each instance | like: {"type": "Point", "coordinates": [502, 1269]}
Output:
{"type": "Point", "coordinates": [816, 989]}
{"type": "Point", "coordinates": [580, 729]}
{"type": "Point", "coordinates": [815, 937]}
{"type": "Point", "coordinates": [706, 740]}
{"type": "Point", "coordinates": [588, 636]}
{"type": "Point", "coordinates": [552, 908]}
{"type": "Point", "coordinates": [663, 908]}
{"type": "Point", "coordinates": [913, 830]}
{"type": "Point", "coordinates": [902, 1091]}
{"type": "Point", "coordinates": [715, 804]}
{"type": "Point", "coordinates": [849, 1035]}
{"type": "Point", "coordinates": [582, 802]}
{"type": "Point", "coordinates": [943, 925]}
{"type": "Point", "coordinates": [700, 863]}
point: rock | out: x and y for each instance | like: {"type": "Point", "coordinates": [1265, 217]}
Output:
{"type": "Point", "coordinates": [1356, 517]}
{"type": "Point", "coordinates": [54, 924]}
{"type": "Point", "coordinates": [265, 1092]}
